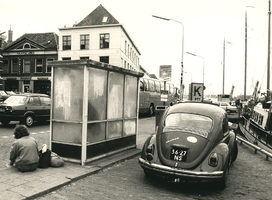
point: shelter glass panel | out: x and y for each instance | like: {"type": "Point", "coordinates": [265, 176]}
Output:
{"type": "Point", "coordinates": [68, 94]}
{"type": "Point", "coordinates": [130, 127]}
{"type": "Point", "coordinates": [115, 129]}
{"type": "Point", "coordinates": [67, 132]}
{"type": "Point", "coordinates": [130, 105]}
{"type": "Point", "coordinates": [96, 132]}
{"type": "Point", "coordinates": [115, 97]}
{"type": "Point", "coordinates": [97, 94]}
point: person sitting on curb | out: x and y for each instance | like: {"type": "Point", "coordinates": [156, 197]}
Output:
{"type": "Point", "coordinates": [24, 153]}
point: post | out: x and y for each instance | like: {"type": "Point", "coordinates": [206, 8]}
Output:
{"type": "Point", "coordinates": [245, 56]}
{"type": "Point", "coordinates": [182, 53]}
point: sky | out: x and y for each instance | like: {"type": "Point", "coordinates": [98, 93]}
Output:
{"type": "Point", "coordinates": [206, 24]}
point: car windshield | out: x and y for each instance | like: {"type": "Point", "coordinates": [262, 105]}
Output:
{"type": "Point", "coordinates": [16, 99]}
{"type": "Point", "coordinates": [193, 123]}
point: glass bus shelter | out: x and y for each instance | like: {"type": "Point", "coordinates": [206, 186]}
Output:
{"type": "Point", "coordinates": [94, 110]}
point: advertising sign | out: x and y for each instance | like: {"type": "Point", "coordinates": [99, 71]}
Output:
{"type": "Point", "coordinates": [165, 72]}
{"type": "Point", "coordinates": [197, 91]}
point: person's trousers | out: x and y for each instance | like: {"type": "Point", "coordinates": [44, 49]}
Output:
{"type": "Point", "coordinates": [28, 167]}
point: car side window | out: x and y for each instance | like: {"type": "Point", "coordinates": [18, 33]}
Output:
{"type": "Point", "coordinates": [45, 101]}
{"type": "Point", "coordinates": [225, 126]}
{"type": "Point", "coordinates": [34, 101]}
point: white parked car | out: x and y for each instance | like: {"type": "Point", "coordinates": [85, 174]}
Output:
{"type": "Point", "coordinates": [227, 107]}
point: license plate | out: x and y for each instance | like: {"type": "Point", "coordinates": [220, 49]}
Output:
{"type": "Point", "coordinates": [178, 155]}
{"type": "Point", "coordinates": [2, 110]}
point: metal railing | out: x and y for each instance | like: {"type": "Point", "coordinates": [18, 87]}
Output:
{"type": "Point", "coordinates": [257, 148]}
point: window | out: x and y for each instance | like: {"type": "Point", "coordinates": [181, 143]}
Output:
{"type": "Point", "coordinates": [45, 101]}
{"type": "Point", "coordinates": [125, 47]}
{"type": "Point", "coordinates": [105, 19]}
{"type": "Point", "coordinates": [104, 59]}
{"type": "Point", "coordinates": [15, 66]}
{"type": "Point", "coordinates": [26, 46]}
{"type": "Point", "coordinates": [84, 41]}
{"type": "Point", "coordinates": [66, 58]}
{"type": "Point", "coordinates": [104, 41]}
{"type": "Point", "coordinates": [48, 69]}
{"type": "Point", "coordinates": [193, 123]}
{"type": "Point", "coordinates": [34, 101]}
{"type": "Point", "coordinates": [39, 65]}
{"type": "Point", "coordinates": [5, 67]}
{"type": "Point", "coordinates": [151, 86]}
{"type": "Point", "coordinates": [26, 66]}
{"type": "Point", "coordinates": [66, 42]}
{"type": "Point", "coordinates": [84, 58]}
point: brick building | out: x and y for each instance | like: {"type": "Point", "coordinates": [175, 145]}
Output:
{"type": "Point", "coordinates": [25, 63]}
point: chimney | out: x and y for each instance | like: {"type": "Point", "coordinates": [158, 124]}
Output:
{"type": "Point", "coordinates": [10, 33]}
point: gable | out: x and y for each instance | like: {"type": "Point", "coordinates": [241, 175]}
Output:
{"type": "Point", "coordinates": [25, 44]}
{"type": "Point", "coordinates": [100, 16]}
{"type": "Point", "coordinates": [34, 41]}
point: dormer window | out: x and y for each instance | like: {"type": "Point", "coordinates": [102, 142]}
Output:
{"type": "Point", "coordinates": [26, 46]}
{"type": "Point", "coordinates": [105, 19]}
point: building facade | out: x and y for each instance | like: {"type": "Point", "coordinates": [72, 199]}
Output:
{"type": "Point", "coordinates": [99, 37]}
{"type": "Point", "coordinates": [25, 63]}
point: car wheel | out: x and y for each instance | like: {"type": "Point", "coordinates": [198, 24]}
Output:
{"type": "Point", "coordinates": [5, 122]}
{"type": "Point", "coordinates": [235, 152]}
{"type": "Point", "coordinates": [223, 183]}
{"type": "Point", "coordinates": [151, 110]}
{"type": "Point", "coordinates": [29, 120]}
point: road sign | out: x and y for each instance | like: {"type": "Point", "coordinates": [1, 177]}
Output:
{"type": "Point", "coordinates": [164, 95]}
{"type": "Point", "coordinates": [165, 72]}
{"type": "Point", "coordinates": [197, 91]}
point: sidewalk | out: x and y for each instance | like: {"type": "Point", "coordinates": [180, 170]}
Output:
{"type": "Point", "coordinates": [15, 185]}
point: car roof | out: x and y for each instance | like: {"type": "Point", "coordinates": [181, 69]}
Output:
{"type": "Point", "coordinates": [207, 109]}
{"type": "Point", "coordinates": [31, 94]}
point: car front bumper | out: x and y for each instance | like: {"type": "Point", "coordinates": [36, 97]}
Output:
{"type": "Point", "coordinates": [188, 175]}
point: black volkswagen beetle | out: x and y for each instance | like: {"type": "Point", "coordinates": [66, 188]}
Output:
{"type": "Point", "coordinates": [193, 143]}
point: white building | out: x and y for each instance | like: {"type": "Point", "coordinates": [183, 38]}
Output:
{"type": "Point", "coordinates": [99, 37]}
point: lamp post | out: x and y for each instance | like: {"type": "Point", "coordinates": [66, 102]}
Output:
{"type": "Point", "coordinates": [182, 53]}
{"type": "Point", "coordinates": [245, 79]}
{"type": "Point", "coordinates": [203, 63]}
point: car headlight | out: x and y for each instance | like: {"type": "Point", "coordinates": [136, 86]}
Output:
{"type": "Point", "coordinates": [150, 152]}
{"type": "Point", "coordinates": [8, 109]}
{"type": "Point", "coordinates": [213, 160]}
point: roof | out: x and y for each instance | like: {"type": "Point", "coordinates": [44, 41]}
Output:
{"type": "Point", "coordinates": [96, 18]}
{"type": "Point", "coordinates": [45, 40]}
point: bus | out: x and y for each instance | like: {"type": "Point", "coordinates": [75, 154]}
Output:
{"type": "Point", "coordinates": [150, 95]}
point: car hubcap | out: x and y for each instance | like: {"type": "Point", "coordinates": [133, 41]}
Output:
{"type": "Point", "coordinates": [29, 121]}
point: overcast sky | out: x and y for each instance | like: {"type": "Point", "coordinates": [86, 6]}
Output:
{"type": "Point", "coordinates": [206, 24]}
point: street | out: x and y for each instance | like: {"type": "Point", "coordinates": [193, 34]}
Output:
{"type": "Point", "coordinates": [250, 176]}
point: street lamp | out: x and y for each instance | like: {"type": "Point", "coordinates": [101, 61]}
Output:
{"type": "Point", "coordinates": [181, 73]}
{"type": "Point", "coordinates": [203, 63]}
{"type": "Point", "coordinates": [245, 79]}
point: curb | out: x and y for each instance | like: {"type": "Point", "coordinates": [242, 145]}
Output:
{"type": "Point", "coordinates": [95, 167]}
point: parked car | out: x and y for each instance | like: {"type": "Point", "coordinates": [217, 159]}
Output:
{"type": "Point", "coordinates": [26, 108]}
{"type": "Point", "coordinates": [227, 107]}
{"type": "Point", "coordinates": [3, 95]}
{"type": "Point", "coordinates": [193, 143]}
{"type": "Point", "coordinates": [10, 92]}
